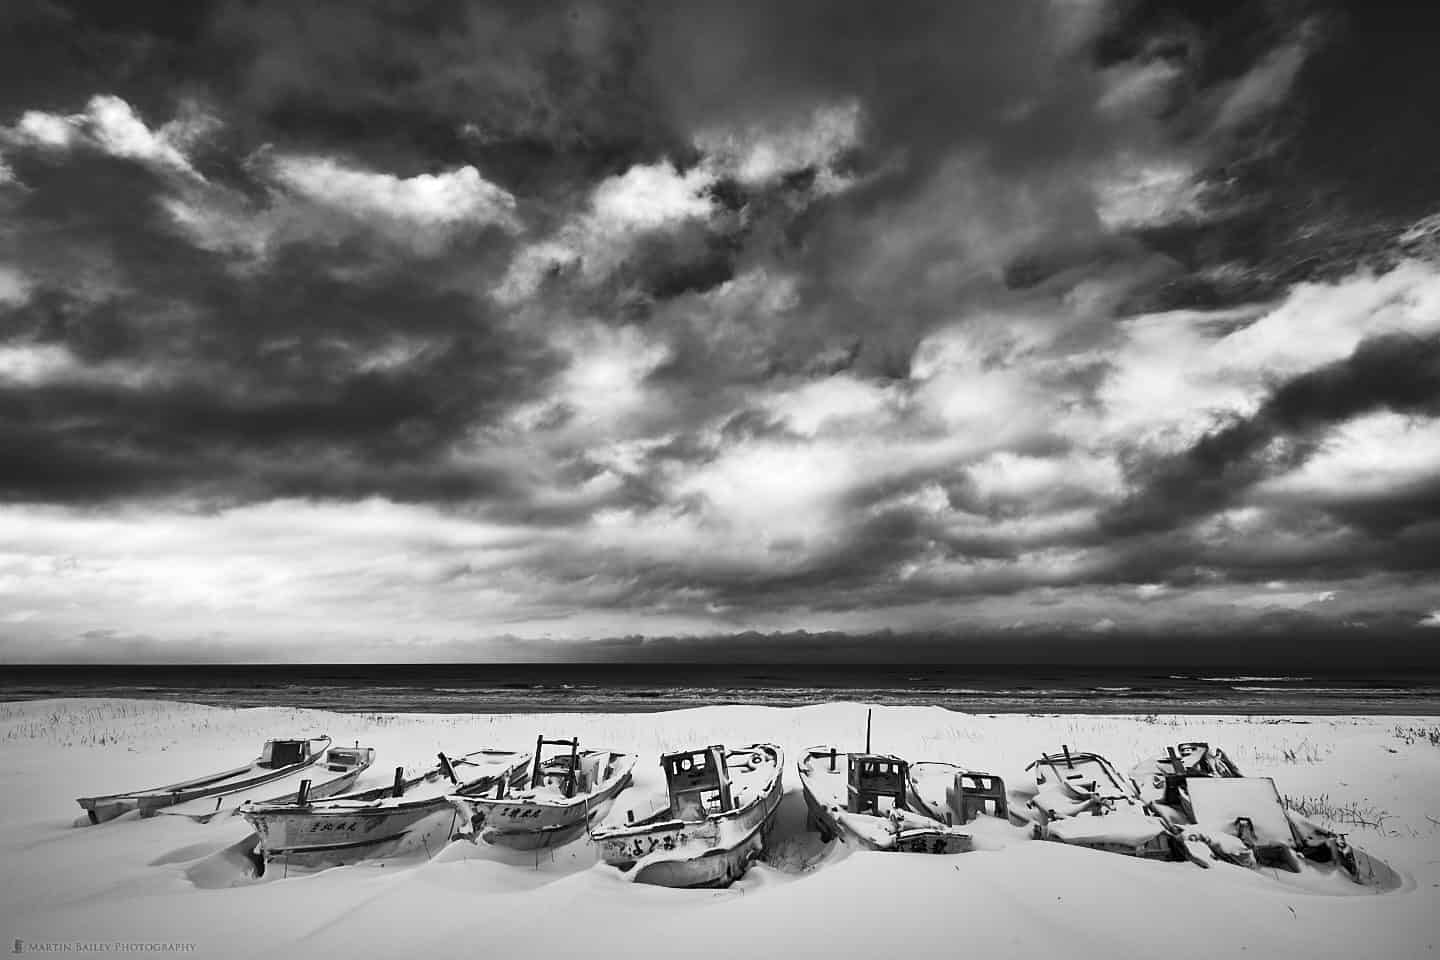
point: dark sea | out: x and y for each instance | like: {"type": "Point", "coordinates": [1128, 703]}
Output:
{"type": "Point", "coordinates": [612, 688]}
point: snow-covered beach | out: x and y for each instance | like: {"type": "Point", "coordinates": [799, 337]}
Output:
{"type": "Point", "coordinates": [171, 884]}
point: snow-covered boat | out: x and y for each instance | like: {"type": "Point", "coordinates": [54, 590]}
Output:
{"type": "Point", "coordinates": [954, 794]}
{"type": "Point", "coordinates": [1081, 799]}
{"type": "Point", "coordinates": [559, 801]}
{"type": "Point", "coordinates": [1242, 820]}
{"type": "Point", "coordinates": [863, 799]}
{"type": "Point", "coordinates": [278, 760]}
{"type": "Point", "coordinates": [334, 774]}
{"type": "Point", "coordinates": [721, 807]}
{"type": "Point", "coordinates": [408, 816]}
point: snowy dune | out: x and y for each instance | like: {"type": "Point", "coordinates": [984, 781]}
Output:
{"type": "Point", "coordinates": [170, 880]}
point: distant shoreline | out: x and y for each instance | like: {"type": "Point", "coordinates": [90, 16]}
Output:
{"type": "Point", "coordinates": [1039, 709]}
{"type": "Point", "coordinates": [648, 688]}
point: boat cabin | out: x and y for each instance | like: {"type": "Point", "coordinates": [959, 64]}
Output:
{"type": "Point", "coordinates": [876, 783]}
{"type": "Point", "coordinates": [348, 758]}
{"type": "Point", "coordinates": [284, 753]}
{"type": "Point", "coordinates": [698, 782]}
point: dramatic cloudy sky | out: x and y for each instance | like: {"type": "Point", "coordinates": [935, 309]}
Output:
{"type": "Point", "coordinates": [450, 329]}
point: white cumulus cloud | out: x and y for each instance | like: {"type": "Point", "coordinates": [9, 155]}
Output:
{"type": "Point", "coordinates": [110, 125]}
{"type": "Point", "coordinates": [451, 199]}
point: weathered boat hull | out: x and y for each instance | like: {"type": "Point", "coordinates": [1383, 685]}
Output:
{"type": "Point", "coordinates": [1080, 799]}
{"type": "Point", "coordinates": [876, 833]}
{"type": "Point", "coordinates": [372, 824]}
{"type": "Point", "coordinates": [1162, 845]}
{"type": "Point", "coordinates": [527, 825]}
{"type": "Point", "coordinates": [674, 853]}
{"type": "Point", "coordinates": [329, 838]}
{"type": "Point", "coordinates": [719, 867]}
{"type": "Point", "coordinates": [939, 840]}
{"type": "Point", "coordinates": [101, 810]}
{"type": "Point", "coordinates": [229, 804]}
{"type": "Point", "coordinates": [151, 801]}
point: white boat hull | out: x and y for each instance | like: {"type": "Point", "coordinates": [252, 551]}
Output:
{"type": "Point", "coordinates": [284, 790]}
{"type": "Point", "coordinates": [535, 823]}
{"type": "Point", "coordinates": [152, 801]}
{"type": "Point", "coordinates": [710, 853]}
{"type": "Point", "coordinates": [905, 832]}
{"type": "Point", "coordinates": [327, 838]}
{"type": "Point", "coordinates": [374, 824]}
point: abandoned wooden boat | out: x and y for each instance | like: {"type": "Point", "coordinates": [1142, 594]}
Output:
{"type": "Point", "coordinates": [1242, 820]}
{"type": "Point", "coordinates": [721, 807]}
{"type": "Point", "coordinates": [278, 759]}
{"type": "Point", "coordinates": [403, 818]}
{"type": "Point", "coordinates": [954, 794]}
{"type": "Point", "coordinates": [1162, 784]}
{"type": "Point", "coordinates": [562, 797]}
{"type": "Point", "coordinates": [862, 798]}
{"type": "Point", "coordinates": [342, 765]}
{"type": "Point", "coordinates": [1081, 799]}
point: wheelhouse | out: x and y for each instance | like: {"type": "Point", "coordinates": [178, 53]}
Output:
{"type": "Point", "coordinates": [284, 753]}
{"type": "Point", "coordinates": [876, 783]}
{"type": "Point", "coordinates": [698, 782]}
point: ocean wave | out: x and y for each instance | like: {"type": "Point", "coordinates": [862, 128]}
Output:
{"type": "Point", "coordinates": [1347, 691]}
{"type": "Point", "coordinates": [1248, 679]}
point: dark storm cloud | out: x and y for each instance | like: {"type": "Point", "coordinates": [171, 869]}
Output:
{"type": "Point", "coordinates": [1299, 196]}
{"type": "Point", "coordinates": [286, 313]}
{"type": "Point", "coordinates": [1397, 372]}
{"type": "Point", "coordinates": [60, 52]}
{"type": "Point", "coordinates": [1273, 643]}
{"type": "Point", "coordinates": [240, 385]}
{"type": "Point", "coordinates": [540, 95]}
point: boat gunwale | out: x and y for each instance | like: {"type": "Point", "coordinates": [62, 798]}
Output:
{"type": "Point", "coordinates": [155, 799]}
{"type": "Point", "coordinates": [617, 782]}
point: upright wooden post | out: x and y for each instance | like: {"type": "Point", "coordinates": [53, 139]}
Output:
{"type": "Point", "coordinates": [832, 759]}
{"type": "Point", "coordinates": [867, 730]}
{"type": "Point", "coordinates": [399, 790]}
{"type": "Point", "coordinates": [574, 767]}
{"type": "Point", "coordinates": [535, 776]}
{"type": "Point", "coordinates": [303, 797]}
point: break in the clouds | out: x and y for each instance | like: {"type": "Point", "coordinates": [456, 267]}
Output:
{"type": "Point", "coordinates": [469, 329]}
